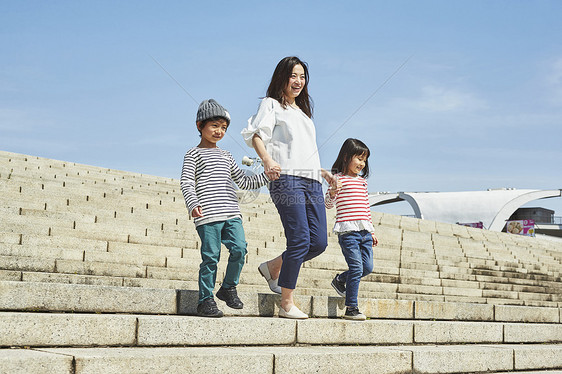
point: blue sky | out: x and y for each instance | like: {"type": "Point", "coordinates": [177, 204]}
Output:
{"type": "Point", "coordinates": [448, 95]}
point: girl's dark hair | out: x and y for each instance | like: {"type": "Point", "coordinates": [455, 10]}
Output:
{"type": "Point", "coordinates": [280, 79]}
{"type": "Point", "coordinates": [351, 147]}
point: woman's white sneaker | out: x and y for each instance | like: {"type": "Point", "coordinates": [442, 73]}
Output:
{"type": "Point", "coordinates": [293, 313]}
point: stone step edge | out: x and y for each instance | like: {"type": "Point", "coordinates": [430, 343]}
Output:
{"type": "Point", "coordinates": [271, 360]}
{"type": "Point", "coordinates": [404, 291]}
{"type": "Point", "coordinates": [90, 330]}
{"type": "Point", "coordinates": [370, 289]}
{"type": "Point", "coordinates": [59, 297]}
{"type": "Point", "coordinates": [256, 286]}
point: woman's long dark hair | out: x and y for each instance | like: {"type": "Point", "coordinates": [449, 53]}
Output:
{"type": "Point", "coordinates": [351, 147]}
{"type": "Point", "coordinates": [280, 79]}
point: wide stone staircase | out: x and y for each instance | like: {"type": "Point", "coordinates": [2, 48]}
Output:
{"type": "Point", "coordinates": [98, 274]}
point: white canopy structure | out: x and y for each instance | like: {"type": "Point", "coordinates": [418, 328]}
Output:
{"type": "Point", "coordinates": [491, 207]}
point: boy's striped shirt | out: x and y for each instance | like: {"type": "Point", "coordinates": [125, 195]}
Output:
{"type": "Point", "coordinates": [206, 181]}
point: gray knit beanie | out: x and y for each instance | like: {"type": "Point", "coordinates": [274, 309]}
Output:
{"type": "Point", "coordinates": [209, 109]}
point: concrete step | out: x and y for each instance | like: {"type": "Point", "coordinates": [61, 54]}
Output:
{"type": "Point", "coordinates": [41, 296]}
{"type": "Point", "coordinates": [137, 343]}
{"type": "Point", "coordinates": [259, 301]}
{"type": "Point", "coordinates": [97, 243]}
{"type": "Point", "coordinates": [89, 213]}
{"type": "Point", "coordinates": [534, 372]}
{"type": "Point", "coordinates": [148, 237]}
{"type": "Point", "coordinates": [277, 360]}
{"type": "Point", "coordinates": [58, 195]}
{"type": "Point", "coordinates": [49, 170]}
{"type": "Point", "coordinates": [124, 244]}
{"type": "Point", "coordinates": [83, 329]}
{"type": "Point", "coordinates": [115, 264]}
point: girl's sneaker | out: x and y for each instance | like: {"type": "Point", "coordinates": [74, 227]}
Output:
{"type": "Point", "coordinates": [353, 313]}
{"type": "Point", "coordinates": [338, 285]}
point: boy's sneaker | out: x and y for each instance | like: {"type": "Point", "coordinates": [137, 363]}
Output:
{"type": "Point", "coordinates": [339, 286]}
{"type": "Point", "coordinates": [352, 312]}
{"type": "Point", "coordinates": [230, 297]}
{"type": "Point", "coordinates": [208, 308]}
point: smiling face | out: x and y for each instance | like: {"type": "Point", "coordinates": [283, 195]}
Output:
{"type": "Point", "coordinates": [212, 132]}
{"type": "Point", "coordinates": [296, 84]}
{"type": "Point", "coordinates": [356, 164]}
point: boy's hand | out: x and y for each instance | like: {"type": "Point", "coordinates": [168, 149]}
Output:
{"type": "Point", "coordinates": [375, 240]}
{"type": "Point", "coordinates": [197, 212]}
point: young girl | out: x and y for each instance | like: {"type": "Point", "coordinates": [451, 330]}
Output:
{"type": "Point", "coordinates": [353, 221]}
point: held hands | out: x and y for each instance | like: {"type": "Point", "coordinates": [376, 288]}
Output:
{"type": "Point", "coordinates": [333, 190]}
{"type": "Point", "coordinates": [334, 182]}
{"type": "Point", "coordinates": [272, 169]}
{"type": "Point", "coordinates": [197, 212]}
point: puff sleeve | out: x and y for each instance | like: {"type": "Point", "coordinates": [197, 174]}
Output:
{"type": "Point", "coordinates": [262, 123]}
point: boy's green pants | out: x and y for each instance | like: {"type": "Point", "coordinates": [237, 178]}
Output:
{"type": "Point", "coordinates": [231, 234]}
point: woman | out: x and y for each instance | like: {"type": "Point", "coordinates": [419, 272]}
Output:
{"type": "Point", "coordinates": [284, 137]}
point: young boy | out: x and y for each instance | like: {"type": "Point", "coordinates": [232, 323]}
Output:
{"type": "Point", "coordinates": [206, 184]}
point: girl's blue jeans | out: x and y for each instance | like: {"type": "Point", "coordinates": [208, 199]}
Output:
{"type": "Point", "coordinates": [357, 248]}
{"type": "Point", "coordinates": [231, 234]}
{"type": "Point", "coordinates": [300, 203]}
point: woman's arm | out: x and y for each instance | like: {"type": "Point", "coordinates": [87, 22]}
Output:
{"type": "Point", "coordinates": [331, 179]}
{"type": "Point", "coordinates": [272, 169]}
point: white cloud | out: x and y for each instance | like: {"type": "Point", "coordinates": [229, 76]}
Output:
{"type": "Point", "coordinates": [443, 99]}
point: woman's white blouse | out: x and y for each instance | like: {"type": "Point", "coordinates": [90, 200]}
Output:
{"type": "Point", "coordinates": [289, 137]}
